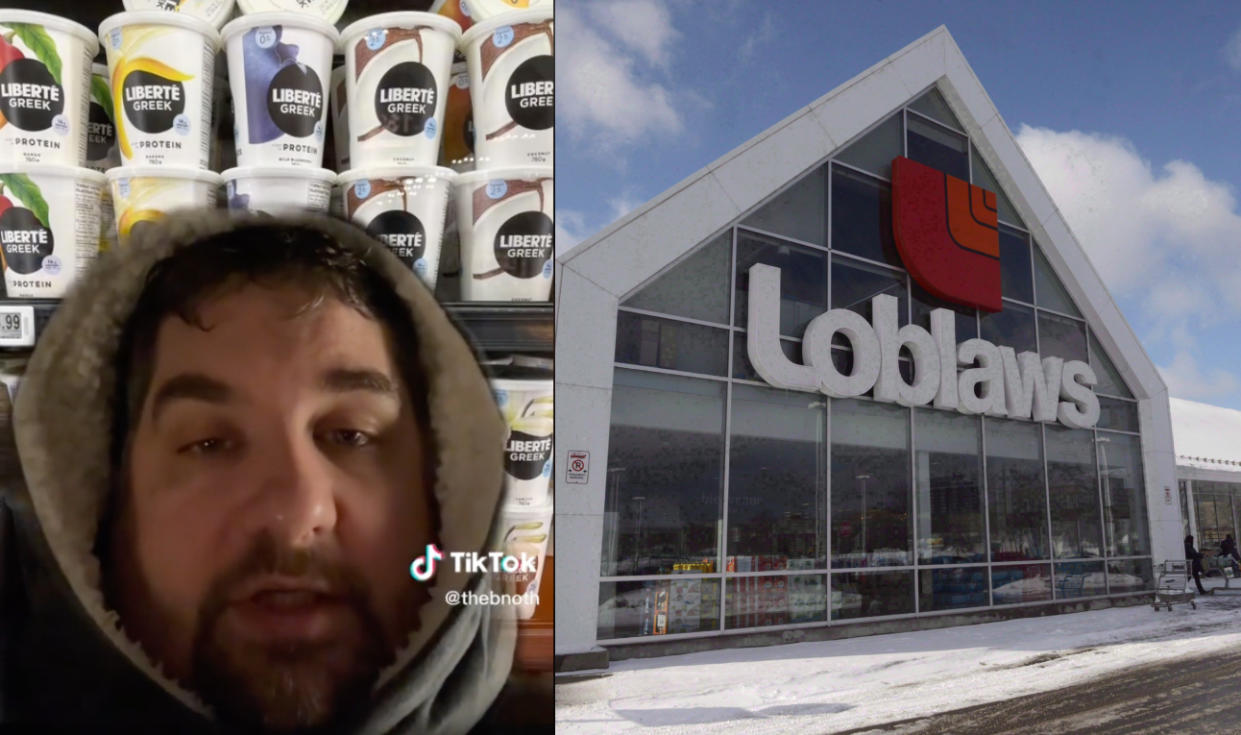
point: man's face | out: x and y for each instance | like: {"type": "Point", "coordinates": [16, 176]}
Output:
{"type": "Point", "coordinates": [275, 500]}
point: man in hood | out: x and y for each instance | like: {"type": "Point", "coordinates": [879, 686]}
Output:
{"type": "Point", "coordinates": [235, 437]}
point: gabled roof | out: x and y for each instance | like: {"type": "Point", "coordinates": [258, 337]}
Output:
{"type": "Point", "coordinates": [627, 254]}
{"type": "Point", "coordinates": [1205, 436]}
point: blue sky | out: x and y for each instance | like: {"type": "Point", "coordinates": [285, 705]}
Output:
{"type": "Point", "coordinates": [1130, 112]}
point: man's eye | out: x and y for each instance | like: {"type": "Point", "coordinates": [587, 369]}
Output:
{"type": "Point", "coordinates": [349, 437]}
{"type": "Point", "coordinates": [212, 445]}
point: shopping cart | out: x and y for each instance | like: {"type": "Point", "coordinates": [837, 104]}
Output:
{"type": "Point", "coordinates": [1172, 586]}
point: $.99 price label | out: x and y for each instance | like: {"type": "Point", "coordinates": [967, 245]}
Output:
{"type": "Point", "coordinates": [17, 326]}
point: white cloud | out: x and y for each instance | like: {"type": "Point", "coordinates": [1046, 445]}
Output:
{"type": "Point", "coordinates": [623, 204]}
{"type": "Point", "coordinates": [570, 230]}
{"type": "Point", "coordinates": [1232, 51]}
{"type": "Point", "coordinates": [644, 25]}
{"type": "Point", "coordinates": [765, 34]}
{"type": "Point", "coordinates": [1186, 379]}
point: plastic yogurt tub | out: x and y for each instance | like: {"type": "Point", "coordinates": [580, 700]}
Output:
{"type": "Point", "coordinates": [272, 189]}
{"type": "Point", "coordinates": [49, 227]}
{"type": "Point", "coordinates": [484, 10]}
{"type": "Point", "coordinates": [280, 68]}
{"type": "Point", "coordinates": [142, 194]}
{"type": "Point", "coordinates": [458, 10]}
{"type": "Point", "coordinates": [458, 150]}
{"type": "Point", "coordinates": [215, 12]}
{"type": "Point", "coordinates": [525, 531]}
{"type": "Point", "coordinates": [339, 102]}
{"type": "Point", "coordinates": [45, 64]}
{"type": "Point", "coordinates": [405, 208]}
{"type": "Point", "coordinates": [505, 218]}
{"type": "Point", "coordinates": [328, 10]}
{"type": "Point", "coordinates": [101, 152]}
{"type": "Point", "coordinates": [160, 68]}
{"type": "Point", "coordinates": [527, 407]}
{"type": "Point", "coordinates": [512, 88]}
{"type": "Point", "coordinates": [398, 67]}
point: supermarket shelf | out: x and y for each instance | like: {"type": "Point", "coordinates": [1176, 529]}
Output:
{"type": "Point", "coordinates": [14, 310]}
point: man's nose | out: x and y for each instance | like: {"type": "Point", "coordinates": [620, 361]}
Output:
{"type": "Point", "coordinates": [297, 495]}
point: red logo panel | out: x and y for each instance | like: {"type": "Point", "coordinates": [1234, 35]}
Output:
{"type": "Point", "coordinates": [946, 233]}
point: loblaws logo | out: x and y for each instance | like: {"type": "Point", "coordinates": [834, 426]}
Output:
{"type": "Point", "coordinates": [946, 232]}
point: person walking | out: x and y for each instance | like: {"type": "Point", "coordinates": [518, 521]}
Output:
{"type": "Point", "coordinates": [1228, 548]}
{"type": "Point", "coordinates": [1194, 557]}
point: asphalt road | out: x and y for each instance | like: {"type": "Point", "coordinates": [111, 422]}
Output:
{"type": "Point", "coordinates": [1193, 695]}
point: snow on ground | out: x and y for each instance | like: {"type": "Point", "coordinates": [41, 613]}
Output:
{"type": "Point", "coordinates": [831, 686]}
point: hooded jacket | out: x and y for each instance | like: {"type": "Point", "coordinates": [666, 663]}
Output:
{"type": "Point", "coordinates": [64, 656]}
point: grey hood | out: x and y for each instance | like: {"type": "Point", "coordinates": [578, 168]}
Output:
{"type": "Point", "coordinates": [452, 667]}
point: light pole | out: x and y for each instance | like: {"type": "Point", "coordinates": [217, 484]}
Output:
{"type": "Point", "coordinates": [818, 470]}
{"type": "Point", "coordinates": [1108, 531]}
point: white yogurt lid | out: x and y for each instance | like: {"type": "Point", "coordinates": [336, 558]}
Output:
{"type": "Point", "coordinates": [483, 10]}
{"type": "Point", "coordinates": [51, 169]}
{"type": "Point", "coordinates": [505, 19]}
{"type": "Point", "coordinates": [329, 10]}
{"type": "Point", "coordinates": [276, 18]}
{"type": "Point", "coordinates": [160, 18]}
{"type": "Point", "coordinates": [222, 11]}
{"type": "Point", "coordinates": [396, 172]}
{"type": "Point", "coordinates": [164, 172]}
{"type": "Point", "coordinates": [527, 173]}
{"type": "Point", "coordinates": [55, 22]}
{"type": "Point", "coordinates": [407, 19]}
{"type": "Point", "coordinates": [279, 172]}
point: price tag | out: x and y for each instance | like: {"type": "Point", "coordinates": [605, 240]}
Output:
{"type": "Point", "coordinates": [16, 326]}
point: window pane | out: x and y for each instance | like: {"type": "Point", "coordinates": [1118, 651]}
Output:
{"type": "Point", "coordinates": [1023, 583]}
{"type": "Point", "coordinates": [854, 284]}
{"type": "Point", "coordinates": [658, 607]}
{"type": "Point", "coordinates": [862, 217]}
{"type": "Point", "coordinates": [1080, 579]}
{"type": "Point", "coordinates": [924, 303]}
{"type": "Point", "coordinates": [1110, 382]}
{"type": "Point", "coordinates": [695, 288]}
{"type": "Point", "coordinates": [665, 473]}
{"type": "Point", "coordinates": [1073, 484]}
{"type": "Point", "coordinates": [932, 104]}
{"type": "Point", "coordinates": [1117, 414]}
{"type": "Point", "coordinates": [758, 601]}
{"type": "Point", "coordinates": [647, 340]}
{"type": "Point", "coordinates": [870, 484]}
{"type": "Point", "coordinates": [945, 589]}
{"type": "Point", "coordinates": [799, 212]}
{"type": "Point", "coordinates": [874, 151]}
{"type": "Point", "coordinates": [1012, 327]}
{"type": "Point", "coordinates": [741, 360]}
{"type": "Point", "coordinates": [986, 179]}
{"type": "Point", "coordinates": [938, 147]}
{"type": "Point", "coordinates": [1124, 495]}
{"type": "Point", "coordinates": [948, 469]}
{"type": "Point", "coordinates": [1129, 575]}
{"type": "Point", "coordinates": [870, 594]}
{"type": "Point", "coordinates": [803, 280]}
{"type": "Point", "coordinates": [777, 482]}
{"type": "Point", "coordinates": [1050, 291]}
{"type": "Point", "coordinates": [1061, 337]}
{"type": "Point", "coordinates": [1016, 495]}
{"type": "Point", "coordinates": [1016, 280]}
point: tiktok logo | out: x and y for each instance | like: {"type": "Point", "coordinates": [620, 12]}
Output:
{"type": "Point", "coordinates": [423, 567]}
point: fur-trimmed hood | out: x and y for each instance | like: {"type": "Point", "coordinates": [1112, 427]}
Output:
{"type": "Point", "coordinates": [66, 649]}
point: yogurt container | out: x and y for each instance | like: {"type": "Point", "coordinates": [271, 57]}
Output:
{"type": "Point", "coordinates": [458, 10]}
{"type": "Point", "coordinates": [49, 227]}
{"type": "Point", "coordinates": [526, 405]}
{"type": "Point", "coordinates": [215, 12]}
{"type": "Point", "coordinates": [101, 152]}
{"type": "Point", "coordinates": [273, 189]}
{"type": "Point", "coordinates": [405, 208]}
{"type": "Point", "coordinates": [336, 207]}
{"type": "Point", "coordinates": [458, 150]}
{"type": "Point", "coordinates": [279, 67]}
{"type": "Point", "coordinates": [45, 64]}
{"type": "Point", "coordinates": [160, 69]}
{"type": "Point", "coordinates": [398, 67]}
{"type": "Point", "coordinates": [482, 10]}
{"type": "Point", "coordinates": [525, 531]}
{"type": "Point", "coordinates": [108, 239]}
{"type": "Point", "coordinates": [512, 89]}
{"type": "Point", "coordinates": [339, 101]}
{"type": "Point", "coordinates": [143, 194]}
{"type": "Point", "coordinates": [507, 233]}
{"type": "Point", "coordinates": [327, 10]}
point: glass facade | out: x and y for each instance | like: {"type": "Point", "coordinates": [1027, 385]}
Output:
{"type": "Point", "coordinates": [733, 505]}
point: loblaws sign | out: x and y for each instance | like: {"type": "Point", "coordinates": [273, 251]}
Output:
{"type": "Point", "coordinates": [945, 230]}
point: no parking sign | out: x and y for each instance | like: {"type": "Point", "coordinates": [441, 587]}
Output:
{"type": "Point", "coordinates": [577, 469]}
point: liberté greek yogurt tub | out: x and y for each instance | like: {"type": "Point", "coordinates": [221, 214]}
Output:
{"type": "Point", "coordinates": [215, 12]}
{"type": "Point", "coordinates": [507, 233]}
{"type": "Point", "coordinates": [279, 67]}
{"type": "Point", "coordinates": [143, 194]}
{"type": "Point", "coordinates": [481, 10]}
{"type": "Point", "coordinates": [339, 101]}
{"type": "Point", "coordinates": [160, 68]}
{"type": "Point", "coordinates": [101, 152]}
{"type": "Point", "coordinates": [398, 67]}
{"type": "Point", "coordinates": [527, 530]}
{"type": "Point", "coordinates": [272, 189]}
{"type": "Point", "coordinates": [404, 207]}
{"type": "Point", "coordinates": [328, 10]}
{"type": "Point", "coordinates": [49, 227]}
{"type": "Point", "coordinates": [45, 65]}
{"type": "Point", "coordinates": [512, 88]}
{"type": "Point", "coordinates": [458, 150]}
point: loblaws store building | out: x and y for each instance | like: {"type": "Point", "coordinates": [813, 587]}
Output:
{"type": "Point", "coordinates": [856, 376]}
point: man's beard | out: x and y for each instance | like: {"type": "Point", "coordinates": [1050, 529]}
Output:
{"type": "Point", "coordinates": [291, 684]}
